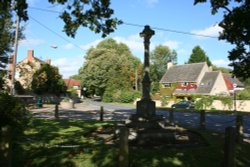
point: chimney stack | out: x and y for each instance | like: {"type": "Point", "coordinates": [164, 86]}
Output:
{"type": "Point", "coordinates": [169, 64]}
{"type": "Point", "coordinates": [30, 55]}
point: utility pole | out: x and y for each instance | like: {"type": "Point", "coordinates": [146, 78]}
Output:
{"type": "Point", "coordinates": [14, 58]}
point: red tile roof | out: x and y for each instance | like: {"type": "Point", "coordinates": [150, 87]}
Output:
{"type": "Point", "coordinates": [72, 82]}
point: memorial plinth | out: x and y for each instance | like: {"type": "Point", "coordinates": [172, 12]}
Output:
{"type": "Point", "coordinates": [145, 116]}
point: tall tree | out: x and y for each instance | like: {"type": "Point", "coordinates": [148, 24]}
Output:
{"type": "Point", "coordinates": [94, 14]}
{"type": "Point", "coordinates": [198, 55]}
{"type": "Point", "coordinates": [160, 57]}
{"type": "Point", "coordinates": [48, 80]}
{"type": "Point", "coordinates": [236, 30]}
{"type": "Point", "coordinates": [109, 66]}
{"type": "Point", "coordinates": [6, 39]}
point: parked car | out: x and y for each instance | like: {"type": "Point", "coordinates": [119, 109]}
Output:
{"type": "Point", "coordinates": [184, 104]}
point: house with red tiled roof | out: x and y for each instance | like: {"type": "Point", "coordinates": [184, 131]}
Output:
{"type": "Point", "coordinates": [26, 68]}
{"type": "Point", "coordinates": [73, 84]}
{"type": "Point", "coordinates": [196, 79]}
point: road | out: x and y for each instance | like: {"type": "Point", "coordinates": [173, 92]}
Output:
{"type": "Point", "coordinates": [214, 121]}
{"type": "Point", "coordinates": [90, 110]}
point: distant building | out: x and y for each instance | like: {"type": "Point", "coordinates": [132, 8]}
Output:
{"type": "Point", "coordinates": [197, 78]}
{"type": "Point", "coordinates": [26, 68]}
{"type": "Point", "coordinates": [73, 84]}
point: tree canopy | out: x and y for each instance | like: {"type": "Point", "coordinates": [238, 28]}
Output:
{"type": "Point", "coordinates": [48, 80]}
{"type": "Point", "coordinates": [108, 67]}
{"type": "Point", "coordinates": [160, 57]}
{"type": "Point", "coordinates": [94, 14]}
{"type": "Point", "coordinates": [236, 30]}
{"type": "Point", "coordinates": [198, 55]}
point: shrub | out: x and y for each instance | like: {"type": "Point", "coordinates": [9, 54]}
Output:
{"type": "Point", "coordinates": [13, 112]}
{"type": "Point", "coordinates": [127, 97]}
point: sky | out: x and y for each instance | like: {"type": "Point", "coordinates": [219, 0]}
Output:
{"type": "Point", "coordinates": [44, 30]}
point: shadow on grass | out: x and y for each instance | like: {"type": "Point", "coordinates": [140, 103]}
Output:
{"type": "Point", "coordinates": [72, 143]}
{"type": "Point", "coordinates": [60, 143]}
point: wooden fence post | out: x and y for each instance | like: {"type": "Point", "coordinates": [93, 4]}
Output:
{"type": "Point", "coordinates": [171, 116]}
{"type": "Point", "coordinates": [5, 146]}
{"type": "Point", "coordinates": [229, 148]}
{"type": "Point", "coordinates": [202, 119]}
{"type": "Point", "coordinates": [239, 128]}
{"type": "Point", "coordinates": [56, 111]}
{"type": "Point", "coordinates": [123, 151]}
{"type": "Point", "coordinates": [101, 113]}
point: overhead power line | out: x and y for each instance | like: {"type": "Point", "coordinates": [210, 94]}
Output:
{"type": "Point", "coordinates": [171, 30]}
{"type": "Point", "coordinates": [138, 25]}
{"type": "Point", "coordinates": [54, 32]}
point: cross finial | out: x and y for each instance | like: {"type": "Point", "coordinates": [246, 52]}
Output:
{"type": "Point", "coordinates": [147, 33]}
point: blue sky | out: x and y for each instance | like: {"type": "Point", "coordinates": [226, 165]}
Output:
{"type": "Point", "coordinates": [44, 29]}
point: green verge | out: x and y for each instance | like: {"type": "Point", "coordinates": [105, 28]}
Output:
{"type": "Point", "coordinates": [36, 147]}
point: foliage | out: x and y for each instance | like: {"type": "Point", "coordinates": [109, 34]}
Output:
{"type": "Point", "coordinates": [12, 111]}
{"type": "Point", "coordinates": [244, 94]}
{"type": "Point", "coordinates": [198, 55]}
{"type": "Point", "coordinates": [94, 14]}
{"type": "Point", "coordinates": [127, 97]}
{"type": "Point", "coordinates": [159, 58]}
{"type": "Point", "coordinates": [120, 96]}
{"type": "Point", "coordinates": [165, 100]}
{"type": "Point", "coordinates": [235, 30]}
{"type": "Point", "coordinates": [19, 88]}
{"type": "Point", "coordinates": [204, 102]}
{"type": "Point", "coordinates": [108, 67]}
{"type": "Point", "coordinates": [222, 69]}
{"type": "Point", "coordinates": [48, 80]}
{"type": "Point", "coordinates": [225, 100]}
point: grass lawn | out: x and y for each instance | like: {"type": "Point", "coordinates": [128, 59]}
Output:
{"type": "Point", "coordinates": [59, 143]}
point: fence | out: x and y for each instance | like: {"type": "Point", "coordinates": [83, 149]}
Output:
{"type": "Point", "coordinates": [235, 119]}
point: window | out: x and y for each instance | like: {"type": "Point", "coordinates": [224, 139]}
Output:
{"type": "Point", "coordinates": [167, 85]}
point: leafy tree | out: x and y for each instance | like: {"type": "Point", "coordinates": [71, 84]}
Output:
{"type": "Point", "coordinates": [160, 57]}
{"type": "Point", "coordinates": [236, 30]}
{"type": "Point", "coordinates": [198, 55]}
{"type": "Point", "coordinates": [6, 39]}
{"type": "Point", "coordinates": [48, 80]}
{"type": "Point", "coordinates": [222, 69]}
{"type": "Point", "coordinates": [108, 68]}
{"type": "Point", "coordinates": [94, 14]}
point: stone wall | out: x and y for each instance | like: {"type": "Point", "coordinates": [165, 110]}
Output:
{"type": "Point", "coordinates": [241, 105]}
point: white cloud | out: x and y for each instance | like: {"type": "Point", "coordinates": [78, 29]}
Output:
{"type": "Point", "coordinates": [67, 69]}
{"type": "Point", "coordinates": [32, 2]}
{"type": "Point", "coordinates": [31, 42]}
{"type": "Point", "coordinates": [209, 31]}
{"type": "Point", "coordinates": [151, 3]}
{"type": "Point", "coordinates": [134, 42]}
{"type": "Point", "coordinates": [92, 44]}
{"type": "Point", "coordinates": [221, 63]}
{"type": "Point", "coordinates": [68, 46]}
{"type": "Point", "coordinates": [172, 44]}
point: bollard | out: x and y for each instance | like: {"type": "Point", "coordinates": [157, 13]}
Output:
{"type": "Point", "coordinates": [229, 148]}
{"type": "Point", "coordinates": [56, 111]}
{"type": "Point", "coordinates": [202, 119]}
{"type": "Point", "coordinates": [101, 113]}
{"type": "Point", "coordinates": [123, 151]}
{"type": "Point", "coordinates": [239, 128]}
{"type": "Point", "coordinates": [171, 116]}
{"type": "Point", "coordinates": [5, 146]}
